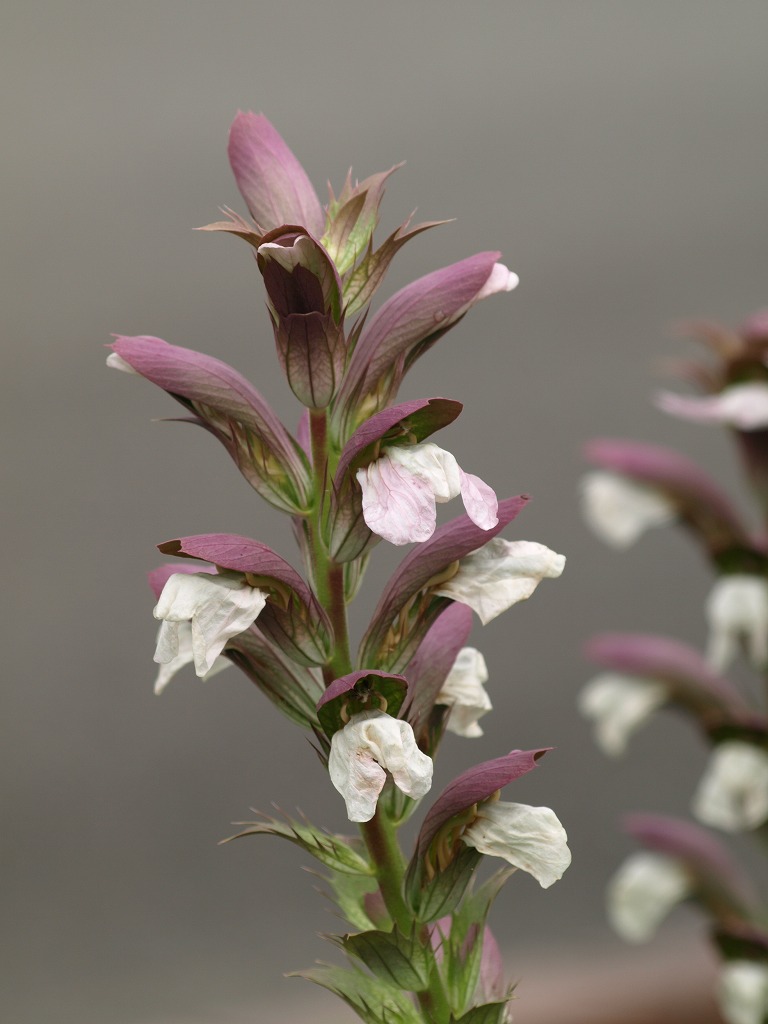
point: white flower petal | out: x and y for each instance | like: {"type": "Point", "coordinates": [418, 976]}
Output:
{"type": "Point", "coordinates": [480, 501]}
{"type": "Point", "coordinates": [463, 692]}
{"type": "Point", "coordinates": [617, 704]}
{"type": "Point", "coordinates": [370, 742]}
{"type": "Point", "coordinates": [396, 505]}
{"type": "Point", "coordinates": [499, 574]}
{"type": "Point", "coordinates": [401, 487]}
{"type": "Point", "coordinates": [743, 992]}
{"type": "Point", "coordinates": [737, 607]}
{"type": "Point", "coordinates": [501, 279]}
{"type": "Point", "coordinates": [619, 510]}
{"type": "Point", "coordinates": [116, 362]}
{"type": "Point", "coordinates": [733, 792]}
{"type": "Point", "coordinates": [530, 838]}
{"type": "Point", "coordinates": [642, 892]}
{"type": "Point", "coordinates": [184, 656]}
{"type": "Point", "coordinates": [744, 406]}
{"type": "Point", "coordinates": [435, 466]}
{"type": "Point", "coordinates": [218, 608]}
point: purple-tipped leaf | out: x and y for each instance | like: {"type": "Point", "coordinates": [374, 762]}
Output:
{"type": "Point", "coordinates": [271, 180]}
{"type": "Point", "coordinates": [411, 321]}
{"type": "Point", "coordinates": [448, 544]}
{"type": "Point", "coordinates": [472, 787]}
{"type": "Point", "coordinates": [234, 411]}
{"type": "Point", "coordinates": [434, 659]}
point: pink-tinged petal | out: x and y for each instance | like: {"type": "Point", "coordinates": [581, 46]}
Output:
{"type": "Point", "coordinates": [755, 327]}
{"type": "Point", "coordinates": [412, 320]}
{"type": "Point", "coordinates": [270, 178]}
{"type": "Point", "coordinates": [501, 279]}
{"type": "Point", "coordinates": [397, 506]}
{"type": "Point", "coordinates": [419, 418]}
{"type": "Point", "coordinates": [158, 577]}
{"type": "Point", "coordinates": [744, 406]}
{"type": "Point", "coordinates": [492, 983]}
{"type": "Point", "coordinates": [701, 504]}
{"type": "Point", "coordinates": [448, 544]}
{"type": "Point", "coordinates": [232, 409]}
{"type": "Point", "coordinates": [472, 787]}
{"type": "Point", "coordinates": [480, 501]}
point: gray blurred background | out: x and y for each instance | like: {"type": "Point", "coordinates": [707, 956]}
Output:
{"type": "Point", "coordinates": [616, 153]}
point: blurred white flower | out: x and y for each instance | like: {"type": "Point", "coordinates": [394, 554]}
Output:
{"type": "Point", "coordinates": [617, 705]}
{"type": "Point", "coordinates": [619, 510]}
{"type": "Point", "coordinates": [737, 609]}
{"type": "Point", "coordinates": [463, 692]}
{"type": "Point", "coordinates": [529, 838]}
{"type": "Point", "coordinates": [733, 792]}
{"type": "Point", "coordinates": [642, 892]}
{"type": "Point", "coordinates": [744, 406]}
{"type": "Point", "coordinates": [743, 992]}
{"type": "Point", "coordinates": [371, 744]}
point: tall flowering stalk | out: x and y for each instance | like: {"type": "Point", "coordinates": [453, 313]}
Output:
{"type": "Point", "coordinates": [359, 468]}
{"type": "Point", "coordinates": [634, 487]}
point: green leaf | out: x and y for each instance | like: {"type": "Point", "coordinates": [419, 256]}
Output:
{"type": "Point", "coordinates": [334, 851]}
{"type": "Point", "coordinates": [439, 896]}
{"type": "Point", "coordinates": [350, 894]}
{"type": "Point", "coordinates": [393, 957]}
{"type": "Point", "coordinates": [489, 1013]}
{"type": "Point", "coordinates": [373, 1000]}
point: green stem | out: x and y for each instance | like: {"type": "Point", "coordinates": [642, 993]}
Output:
{"type": "Point", "coordinates": [386, 855]}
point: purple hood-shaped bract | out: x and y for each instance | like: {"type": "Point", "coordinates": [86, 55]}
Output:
{"type": "Point", "coordinates": [271, 180]}
{"type": "Point", "coordinates": [411, 321]}
{"type": "Point", "coordinates": [700, 502]}
{"type": "Point", "coordinates": [434, 659]}
{"type": "Point", "coordinates": [292, 619]}
{"type": "Point", "coordinates": [448, 544]}
{"type": "Point", "coordinates": [690, 678]}
{"type": "Point", "coordinates": [472, 787]}
{"type": "Point", "coordinates": [232, 409]}
{"type": "Point", "coordinates": [721, 883]}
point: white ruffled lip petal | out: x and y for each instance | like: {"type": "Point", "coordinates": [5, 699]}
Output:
{"type": "Point", "coordinates": [501, 279]}
{"type": "Point", "coordinates": [368, 746]}
{"type": "Point", "coordinates": [743, 991]}
{"type": "Point", "coordinates": [183, 657]}
{"type": "Point", "coordinates": [217, 607]}
{"type": "Point", "coordinates": [499, 574]}
{"type": "Point", "coordinates": [398, 507]}
{"type": "Point", "coordinates": [736, 609]}
{"type": "Point", "coordinates": [530, 838]}
{"type": "Point", "coordinates": [463, 692]}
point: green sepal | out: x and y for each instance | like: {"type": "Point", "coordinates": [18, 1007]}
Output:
{"type": "Point", "coordinates": [488, 1013]}
{"type": "Point", "coordinates": [438, 896]}
{"type": "Point", "coordinates": [373, 1000]}
{"type": "Point", "coordinates": [391, 956]}
{"type": "Point", "coordinates": [334, 851]}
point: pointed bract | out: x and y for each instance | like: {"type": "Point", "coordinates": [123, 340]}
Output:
{"type": "Point", "coordinates": [271, 180]}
